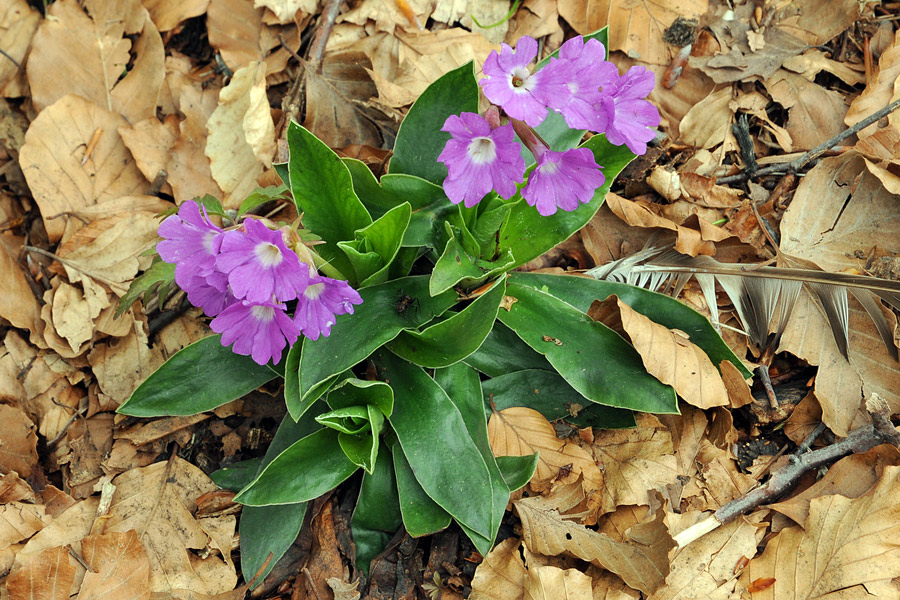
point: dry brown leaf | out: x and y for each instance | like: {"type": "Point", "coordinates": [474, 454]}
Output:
{"type": "Point", "coordinates": [670, 356]}
{"type": "Point", "coordinates": [70, 527]}
{"type": "Point", "coordinates": [168, 14]}
{"type": "Point", "coordinates": [465, 12]}
{"type": "Point", "coordinates": [881, 150]}
{"type": "Point", "coordinates": [13, 488]}
{"type": "Point", "coordinates": [150, 142]}
{"type": "Point", "coordinates": [188, 167]}
{"type": "Point", "coordinates": [121, 364]}
{"type": "Point", "coordinates": [705, 568]}
{"type": "Point", "coordinates": [335, 111]}
{"type": "Point", "coordinates": [850, 477]}
{"type": "Point", "coordinates": [880, 91]}
{"type": "Point", "coordinates": [815, 113]}
{"type": "Point", "coordinates": [18, 22]}
{"type": "Point", "coordinates": [20, 521]}
{"type": "Point", "coordinates": [552, 583]}
{"type": "Point", "coordinates": [501, 575]}
{"type": "Point", "coordinates": [51, 160]}
{"type": "Point", "coordinates": [607, 586]}
{"type": "Point", "coordinates": [158, 502]}
{"type": "Point", "coordinates": [120, 567]}
{"type": "Point", "coordinates": [520, 431]}
{"type": "Point", "coordinates": [830, 223]}
{"type": "Point", "coordinates": [640, 214]}
{"type": "Point", "coordinates": [388, 15]}
{"type": "Point", "coordinates": [87, 54]}
{"type": "Point", "coordinates": [235, 30]}
{"type": "Point", "coordinates": [814, 61]}
{"type": "Point", "coordinates": [241, 138]}
{"type": "Point", "coordinates": [708, 123]}
{"type": "Point", "coordinates": [48, 575]}
{"type": "Point", "coordinates": [845, 544]}
{"type": "Point", "coordinates": [641, 561]}
{"type": "Point", "coordinates": [285, 10]}
{"type": "Point", "coordinates": [806, 417]}
{"type": "Point", "coordinates": [635, 462]}
{"type": "Point", "coordinates": [738, 391]}
{"type": "Point", "coordinates": [535, 18]}
{"type": "Point", "coordinates": [17, 302]}
{"type": "Point", "coordinates": [635, 28]}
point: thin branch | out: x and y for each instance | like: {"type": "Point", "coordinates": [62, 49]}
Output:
{"type": "Point", "coordinates": [815, 153]}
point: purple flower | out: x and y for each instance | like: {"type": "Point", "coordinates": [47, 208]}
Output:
{"type": "Point", "coordinates": [260, 265]}
{"type": "Point", "coordinates": [209, 293]}
{"type": "Point", "coordinates": [480, 159]}
{"type": "Point", "coordinates": [191, 242]}
{"type": "Point", "coordinates": [322, 300]}
{"type": "Point", "coordinates": [633, 114]}
{"type": "Point", "coordinates": [592, 77]}
{"type": "Point", "coordinates": [259, 330]}
{"type": "Point", "coordinates": [520, 93]}
{"type": "Point", "coordinates": [562, 180]}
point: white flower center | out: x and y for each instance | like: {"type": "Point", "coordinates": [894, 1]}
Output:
{"type": "Point", "coordinates": [482, 150]}
{"type": "Point", "coordinates": [268, 254]}
{"type": "Point", "coordinates": [312, 292]}
{"type": "Point", "coordinates": [522, 80]}
{"type": "Point", "coordinates": [549, 168]}
{"type": "Point", "coordinates": [208, 238]}
{"type": "Point", "coordinates": [263, 313]}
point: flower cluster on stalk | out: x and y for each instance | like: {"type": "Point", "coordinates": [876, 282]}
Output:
{"type": "Point", "coordinates": [244, 277]}
{"type": "Point", "coordinates": [579, 84]}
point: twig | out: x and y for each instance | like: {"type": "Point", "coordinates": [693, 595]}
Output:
{"type": "Point", "coordinates": [880, 431]}
{"type": "Point", "coordinates": [815, 153]}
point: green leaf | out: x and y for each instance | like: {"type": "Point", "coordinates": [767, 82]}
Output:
{"type": "Point", "coordinates": [517, 470]}
{"type": "Point", "coordinates": [377, 514]}
{"type": "Point", "coordinates": [236, 476]}
{"type": "Point", "coordinates": [551, 395]}
{"type": "Point", "coordinates": [598, 363]}
{"type": "Point", "coordinates": [358, 429]}
{"type": "Point", "coordinates": [504, 352]}
{"type": "Point", "coordinates": [527, 234]}
{"type": "Point", "coordinates": [159, 276]}
{"type": "Point", "coordinates": [457, 267]}
{"type": "Point", "coordinates": [307, 469]}
{"type": "Point", "coordinates": [441, 345]}
{"type": "Point", "coordinates": [261, 196]}
{"type": "Point", "coordinates": [420, 139]}
{"type": "Point", "coordinates": [421, 514]}
{"type": "Point", "coordinates": [436, 442]}
{"type": "Point", "coordinates": [382, 239]}
{"type": "Point", "coordinates": [183, 384]}
{"type": "Point", "coordinates": [354, 392]}
{"type": "Point", "coordinates": [581, 292]}
{"type": "Point", "coordinates": [463, 387]}
{"type": "Point", "coordinates": [258, 537]}
{"type": "Point", "coordinates": [375, 322]}
{"type": "Point", "coordinates": [323, 192]}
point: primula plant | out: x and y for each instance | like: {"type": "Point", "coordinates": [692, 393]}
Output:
{"type": "Point", "coordinates": [392, 311]}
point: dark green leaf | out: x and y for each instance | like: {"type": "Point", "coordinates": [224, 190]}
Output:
{"type": "Point", "coordinates": [504, 352]}
{"type": "Point", "coordinates": [377, 514]}
{"type": "Point", "coordinates": [261, 196]}
{"type": "Point", "coordinates": [355, 392]}
{"type": "Point", "coordinates": [436, 442]}
{"type": "Point", "coordinates": [236, 476]}
{"type": "Point", "coordinates": [598, 363]}
{"type": "Point", "coordinates": [160, 274]}
{"type": "Point", "coordinates": [323, 192]}
{"type": "Point", "coordinates": [517, 470]}
{"type": "Point", "coordinates": [375, 322]}
{"type": "Point", "coordinates": [441, 344]}
{"type": "Point", "coordinates": [197, 378]}
{"type": "Point", "coordinates": [421, 514]}
{"type": "Point", "coordinates": [581, 292]}
{"type": "Point", "coordinates": [307, 469]}
{"type": "Point", "coordinates": [383, 237]}
{"type": "Point", "coordinates": [420, 139]}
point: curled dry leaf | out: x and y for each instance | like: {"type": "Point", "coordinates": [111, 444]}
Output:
{"type": "Point", "coordinates": [18, 22]}
{"type": "Point", "coordinates": [158, 502]}
{"type": "Point", "coordinates": [388, 15]}
{"type": "Point", "coordinates": [120, 567]}
{"type": "Point", "coordinates": [81, 53]}
{"type": "Point", "coordinates": [51, 160]}
{"type": "Point", "coordinates": [168, 14]}
{"type": "Point", "coordinates": [19, 521]}
{"type": "Point", "coordinates": [845, 546]}
{"type": "Point", "coordinates": [501, 575]}
{"type": "Point", "coordinates": [878, 93]}
{"type": "Point", "coordinates": [670, 356]}
{"type": "Point", "coordinates": [881, 151]}
{"type": "Point", "coordinates": [641, 561]}
{"type": "Point", "coordinates": [241, 137]}
{"type": "Point", "coordinates": [520, 431]}
{"type": "Point", "coordinates": [640, 214]}
{"type": "Point", "coordinates": [284, 10]}
{"type": "Point", "coordinates": [815, 114]}
{"type": "Point", "coordinates": [18, 450]}
{"type": "Point", "coordinates": [18, 304]}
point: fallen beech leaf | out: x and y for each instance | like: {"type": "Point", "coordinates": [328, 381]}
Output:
{"type": "Point", "coordinates": [235, 31]}
{"type": "Point", "coordinates": [70, 527]}
{"type": "Point", "coordinates": [157, 502]}
{"type": "Point", "coordinates": [168, 14]}
{"type": "Point", "coordinates": [708, 123]}
{"type": "Point", "coordinates": [878, 93]}
{"type": "Point", "coordinates": [19, 521]}
{"type": "Point", "coordinates": [241, 138]}
{"type": "Point", "coordinates": [121, 569]}
{"type": "Point", "coordinates": [81, 53]}
{"type": "Point", "coordinates": [881, 151]}
{"type": "Point", "coordinates": [388, 15]}
{"type": "Point", "coordinates": [491, 13]}
{"type": "Point", "coordinates": [671, 357]}
{"type": "Point", "coordinates": [844, 544]}
{"type": "Point", "coordinates": [815, 113]}
{"type": "Point", "coordinates": [501, 575]}
{"type": "Point", "coordinates": [552, 583]}
{"type": "Point", "coordinates": [641, 561]}
{"type": "Point", "coordinates": [71, 316]}
{"type": "Point", "coordinates": [18, 22]}
{"type": "Point", "coordinates": [51, 162]}
{"type": "Point", "coordinates": [286, 9]}
{"type": "Point", "coordinates": [150, 142]}
{"type": "Point", "coordinates": [189, 167]}
{"type": "Point", "coordinates": [48, 575]}
{"type": "Point", "coordinates": [520, 431]}
{"type": "Point", "coordinates": [17, 302]}
{"type": "Point", "coordinates": [121, 364]}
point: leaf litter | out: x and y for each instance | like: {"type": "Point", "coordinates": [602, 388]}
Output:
{"type": "Point", "coordinates": [118, 111]}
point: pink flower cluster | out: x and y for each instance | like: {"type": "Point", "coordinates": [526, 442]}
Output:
{"type": "Point", "coordinates": [244, 277]}
{"type": "Point", "coordinates": [583, 87]}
